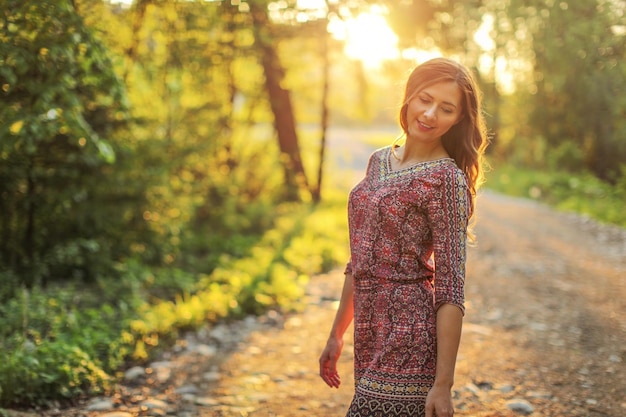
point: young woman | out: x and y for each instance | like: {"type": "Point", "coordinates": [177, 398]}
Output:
{"type": "Point", "coordinates": [408, 220]}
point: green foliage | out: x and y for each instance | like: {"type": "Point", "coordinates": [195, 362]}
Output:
{"type": "Point", "coordinates": [566, 98]}
{"type": "Point", "coordinates": [36, 374]}
{"type": "Point", "coordinates": [58, 344]}
{"type": "Point", "coordinates": [579, 193]}
{"type": "Point", "coordinates": [70, 340]}
{"type": "Point", "coordinates": [62, 106]}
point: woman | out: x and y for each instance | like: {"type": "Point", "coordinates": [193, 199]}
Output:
{"type": "Point", "coordinates": [408, 219]}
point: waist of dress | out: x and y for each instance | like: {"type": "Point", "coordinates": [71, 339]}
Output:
{"type": "Point", "coordinates": [374, 283]}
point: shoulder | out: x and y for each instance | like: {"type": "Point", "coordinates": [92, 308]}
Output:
{"type": "Point", "coordinates": [449, 174]}
{"type": "Point", "coordinates": [380, 153]}
{"type": "Point", "coordinates": [378, 156]}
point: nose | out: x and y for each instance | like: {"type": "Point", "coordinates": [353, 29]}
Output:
{"type": "Point", "coordinates": [430, 112]}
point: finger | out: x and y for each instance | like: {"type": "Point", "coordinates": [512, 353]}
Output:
{"type": "Point", "coordinates": [333, 380]}
{"type": "Point", "coordinates": [325, 373]}
{"type": "Point", "coordinates": [324, 366]}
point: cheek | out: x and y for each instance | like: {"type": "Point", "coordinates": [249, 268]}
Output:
{"type": "Point", "coordinates": [414, 107]}
{"type": "Point", "coordinates": [452, 120]}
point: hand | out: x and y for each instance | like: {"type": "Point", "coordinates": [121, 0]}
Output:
{"type": "Point", "coordinates": [439, 402]}
{"type": "Point", "coordinates": [328, 362]}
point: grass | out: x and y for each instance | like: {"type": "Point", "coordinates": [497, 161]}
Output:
{"type": "Point", "coordinates": [580, 193]}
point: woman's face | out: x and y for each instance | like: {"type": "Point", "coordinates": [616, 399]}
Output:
{"type": "Point", "coordinates": [433, 111]}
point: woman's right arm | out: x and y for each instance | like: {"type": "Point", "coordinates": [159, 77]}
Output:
{"type": "Point", "coordinates": [332, 351]}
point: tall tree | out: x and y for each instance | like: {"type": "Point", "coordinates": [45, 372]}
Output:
{"type": "Point", "coordinates": [61, 106]}
{"type": "Point", "coordinates": [280, 100]}
{"type": "Point", "coordinates": [576, 102]}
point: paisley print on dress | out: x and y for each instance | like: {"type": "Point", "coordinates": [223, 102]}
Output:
{"type": "Point", "coordinates": [407, 239]}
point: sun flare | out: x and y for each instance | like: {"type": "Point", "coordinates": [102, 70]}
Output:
{"type": "Point", "coordinates": [367, 37]}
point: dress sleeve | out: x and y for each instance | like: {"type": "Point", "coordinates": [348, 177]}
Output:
{"type": "Point", "coordinates": [348, 269]}
{"type": "Point", "coordinates": [449, 212]}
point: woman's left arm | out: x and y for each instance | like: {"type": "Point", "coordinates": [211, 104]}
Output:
{"type": "Point", "coordinates": [449, 214]}
{"type": "Point", "coordinates": [439, 399]}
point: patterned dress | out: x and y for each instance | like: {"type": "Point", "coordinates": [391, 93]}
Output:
{"type": "Point", "coordinates": [407, 240]}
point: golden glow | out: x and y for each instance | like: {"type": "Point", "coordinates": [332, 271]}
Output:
{"type": "Point", "coordinates": [367, 37]}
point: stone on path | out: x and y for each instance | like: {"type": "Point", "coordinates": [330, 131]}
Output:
{"type": "Point", "coordinates": [207, 401]}
{"type": "Point", "coordinates": [520, 406]}
{"type": "Point", "coordinates": [205, 350]}
{"type": "Point", "coordinates": [212, 376]}
{"type": "Point", "coordinates": [134, 373]}
{"type": "Point", "coordinates": [187, 389]}
{"type": "Point", "coordinates": [154, 403]}
{"type": "Point", "coordinates": [100, 404]}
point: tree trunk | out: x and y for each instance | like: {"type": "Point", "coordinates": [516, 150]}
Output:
{"type": "Point", "coordinates": [280, 103]}
{"type": "Point", "coordinates": [317, 191]}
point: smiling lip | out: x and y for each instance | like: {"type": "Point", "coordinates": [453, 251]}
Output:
{"type": "Point", "coordinates": [424, 126]}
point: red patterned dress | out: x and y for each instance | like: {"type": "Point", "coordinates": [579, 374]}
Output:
{"type": "Point", "coordinates": [399, 222]}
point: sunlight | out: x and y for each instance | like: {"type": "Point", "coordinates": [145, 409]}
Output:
{"type": "Point", "coordinates": [367, 37]}
{"type": "Point", "coordinates": [123, 3]}
{"type": "Point", "coordinates": [499, 67]}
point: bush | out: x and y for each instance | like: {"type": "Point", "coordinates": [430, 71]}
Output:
{"type": "Point", "coordinates": [35, 374]}
{"type": "Point", "coordinates": [70, 340]}
{"type": "Point", "coordinates": [581, 193]}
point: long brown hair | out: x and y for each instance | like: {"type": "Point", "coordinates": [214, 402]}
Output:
{"type": "Point", "coordinates": [466, 141]}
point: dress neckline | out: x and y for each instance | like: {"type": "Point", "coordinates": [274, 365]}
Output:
{"type": "Point", "coordinates": [425, 164]}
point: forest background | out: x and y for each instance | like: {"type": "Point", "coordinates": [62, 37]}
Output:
{"type": "Point", "coordinates": [163, 163]}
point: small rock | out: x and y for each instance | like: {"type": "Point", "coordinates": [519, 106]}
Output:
{"type": "Point", "coordinates": [117, 414]}
{"type": "Point", "coordinates": [484, 385]}
{"type": "Point", "coordinates": [506, 388]}
{"type": "Point", "coordinates": [211, 376]}
{"type": "Point", "coordinates": [160, 365]}
{"type": "Point", "coordinates": [133, 373]}
{"type": "Point", "coordinates": [153, 403]}
{"type": "Point", "coordinates": [207, 402]}
{"type": "Point", "coordinates": [520, 406]}
{"type": "Point", "coordinates": [205, 350]}
{"type": "Point", "coordinates": [187, 389]}
{"type": "Point", "coordinates": [188, 398]}
{"type": "Point", "coordinates": [221, 333]}
{"type": "Point", "coordinates": [272, 318]}
{"type": "Point", "coordinates": [100, 404]}
{"type": "Point", "coordinates": [591, 401]}
{"type": "Point", "coordinates": [472, 388]}
{"type": "Point", "coordinates": [163, 374]}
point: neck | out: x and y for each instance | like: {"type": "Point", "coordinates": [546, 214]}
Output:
{"type": "Point", "coordinates": [410, 154]}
